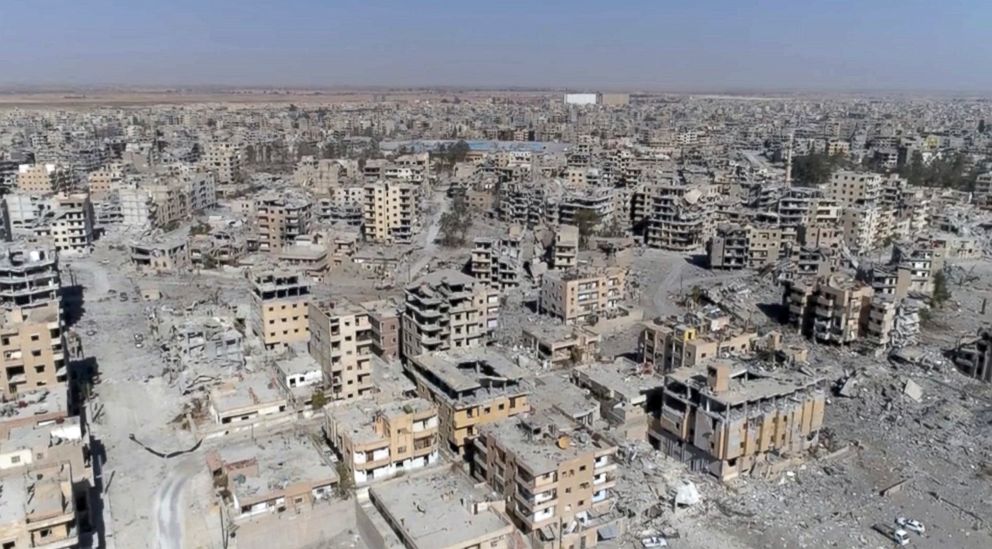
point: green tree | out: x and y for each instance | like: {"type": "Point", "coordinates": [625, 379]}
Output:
{"type": "Point", "coordinates": [455, 223]}
{"type": "Point", "coordinates": [318, 400]}
{"type": "Point", "coordinates": [346, 482]}
{"type": "Point", "coordinates": [815, 168]}
{"type": "Point", "coordinates": [586, 221]}
{"type": "Point", "coordinates": [941, 292]}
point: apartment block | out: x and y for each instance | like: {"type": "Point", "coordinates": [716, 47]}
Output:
{"type": "Point", "coordinates": [43, 179]}
{"type": "Point", "coordinates": [391, 212]}
{"type": "Point", "coordinates": [674, 217]}
{"type": "Point", "coordinates": [71, 230]}
{"type": "Point", "coordinates": [849, 189]}
{"type": "Point", "coordinates": [165, 253]}
{"type": "Point", "coordinates": [497, 261]}
{"type": "Point", "coordinates": [341, 341]}
{"type": "Point", "coordinates": [669, 344]}
{"type": "Point", "coordinates": [224, 161]}
{"type": "Point", "coordinates": [447, 310]}
{"type": "Point", "coordinates": [33, 347]}
{"type": "Point", "coordinates": [29, 273]}
{"type": "Point", "coordinates": [279, 312]}
{"type": "Point", "coordinates": [831, 309]}
{"type": "Point", "coordinates": [379, 442]}
{"type": "Point", "coordinates": [724, 418]}
{"type": "Point", "coordinates": [861, 226]}
{"type": "Point", "coordinates": [384, 318]}
{"type": "Point", "coordinates": [973, 357]}
{"type": "Point", "coordinates": [582, 296]}
{"type": "Point", "coordinates": [565, 249]}
{"type": "Point", "coordinates": [281, 218]}
{"type": "Point", "coordinates": [748, 246]}
{"type": "Point", "coordinates": [558, 481]}
{"type": "Point", "coordinates": [471, 388]}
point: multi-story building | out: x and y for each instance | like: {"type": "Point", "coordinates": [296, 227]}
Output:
{"type": "Point", "coordinates": [161, 253]}
{"type": "Point", "coordinates": [281, 218]}
{"type": "Point", "coordinates": [391, 213]}
{"type": "Point", "coordinates": [565, 249]}
{"type": "Point", "coordinates": [669, 344]}
{"type": "Point", "coordinates": [279, 312]}
{"type": "Point", "coordinates": [71, 230]}
{"type": "Point", "coordinates": [832, 309]}
{"type": "Point", "coordinates": [497, 261]}
{"type": "Point", "coordinates": [558, 481]}
{"type": "Point", "coordinates": [848, 188]}
{"type": "Point", "coordinates": [749, 246]}
{"type": "Point", "coordinates": [561, 346]}
{"type": "Point", "coordinates": [341, 342]}
{"type": "Point", "coordinates": [224, 161]}
{"type": "Point", "coordinates": [674, 217]}
{"type": "Point", "coordinates": [378, 442]}
{"type": "Point", "coordinates": [582, 296]}
{"type": "Point", "coordinates": [447, 310]}
{"type": "Point", "coordinates": [724, 418]}
{"type": "Point", "coordinates": [384, 318]}
{"type": "Point", "coordinates": [33, 347]}
{"type": "Point", "coordinates": [861, 226]}
{"type": "Point", "coordinates": [29, 274]}
{"type": "Point", "coordinates": [920, 261]}
{"type": "Point", "coordinates": [471, 388]}
{"type": "Point", "coordinates": [43, 179]}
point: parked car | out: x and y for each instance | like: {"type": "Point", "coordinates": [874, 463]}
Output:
{"type": "Point", "coordinates": [653, 542]}
{"type": "Point", "coordinates": [912, 525]}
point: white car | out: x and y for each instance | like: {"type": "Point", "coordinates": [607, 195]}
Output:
{"type": "Point", "coordinates": [912, 525]}
{"type": "Point", "coordinates": [653, 542]}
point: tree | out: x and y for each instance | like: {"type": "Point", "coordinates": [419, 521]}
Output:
{"type": "Point", "coordinates": [318, 400]}
{"type": "Point", "coordinates": [941, 293]}
{"type": "Point", "coordinates": [981, 126]}
{"type": "Point", "coordinates": [346, 482]}
{"type": "Point", "coordinates": [455, 223]}
{"type": "Point", "coordinates": [586, 221]}
{"type": "Point", "coordinates": [815, 168]}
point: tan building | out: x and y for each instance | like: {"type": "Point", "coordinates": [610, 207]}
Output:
{"type": "Point", "coordinates": [224, 161]}
{"type": "Point", "coordinates": [71, 230]}
{"type": "Point", "coordinates": [850, 189]}
{"type": "Point", "coordinates": [279, 313]}
{"type": "Point", "coordinates": [471, 388]}
{"type": "Point", "coordinates": [565, 249]}
{"type": "Point", "coordinates": [33, 346]}
{"type": "Point", "coordinates": [748, 246]}
{"type": "Point", "coordinates": [341, 342]}
{"type": "Point", "coordinates": [167, 253]}
{"type": "Point", "coordinates": [384, 317]}
{"type": "Point", "coordinates": [43, 179]}
{"type": "Point", "coordinates": [277, 477]}
{"type": "Point", "coordinates": [833, 309]}
{"type": "Point", "coordinates": [447, 310]}
{"type": "Point", "coordinates": [558, 481]}
{"type": "Point", "coordinates": [247, 399]}
{"type": "Point", "coordinates": [38, 509]}
{"type": "Point", "coordinates": [669, 344]}
{"type": "Point", "coordinates": [406, 512]}
{"type": "Point", "coordinates": [582, 296]}
{"type": "Point", "coordinates": [379, 442]}
{"type": "Point", "coordinates": [724, 418]}
{"type": "Point", "coordinates": [561, 346]}
{"type": "Point", "coordinates": [391, 213]}
{"type": "Point", "coordinates": [623, 391]}
{"type": "Point", "coordinates": [281, 218]}
{"type": "Point", "coordinates": [104, 180]}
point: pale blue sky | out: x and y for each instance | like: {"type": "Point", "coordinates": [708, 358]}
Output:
{"type": "Point", "coordinates": [658, 44]}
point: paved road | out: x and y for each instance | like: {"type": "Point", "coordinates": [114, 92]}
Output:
{"type": "Point", "coordinates": [169, 516]}
{"type": "Point", "coordinates": [430, 235]}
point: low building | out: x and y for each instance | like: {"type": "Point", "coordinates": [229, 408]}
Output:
{"type": "Point", "coordinates": [38, 509]}
{"type": "Point", "coordinates": [166, 253]}
{"type": "Point", "coordinates": [434, 510]}
{"type": "Point", "coordinates": [669, 344]}
{"type": "Point", "coordinates": [973, 357]}
{"type": "Point", "coordinates": [278, 475]}
{"type": "Point", "coordinates": [724, 418]}
{"type": "Point", "coordinates": [623, 390]}
{"type": "Point", "coordinates": [376, 442]}
{"type": "Point", "coordinates": [471, 388]}
{"type": "Point", "coordinates": [246, 400]}
{"type": "Point", "coordinates": [561, 346]}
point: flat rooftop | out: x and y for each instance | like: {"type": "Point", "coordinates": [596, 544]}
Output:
{"type": "Point", "coordinates": [251, 391]}
{"type": "Point", "coordinates": [746, 385]}
{"type": "Point", "coordinates": [534, 440]}
{"type": "Point", "coordinates": [283, 460]}
{"type": "Point", "coordinates": [469, 369]}
{"type": "Point", "coordinates": [358, 418]}
{"type": "Point", "coordinates": [435, 509]}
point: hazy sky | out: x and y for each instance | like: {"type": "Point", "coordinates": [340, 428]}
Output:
{"type": "Point", "coordinates": [656, 44]}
